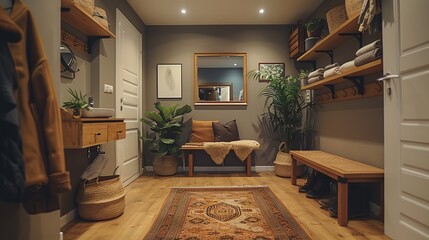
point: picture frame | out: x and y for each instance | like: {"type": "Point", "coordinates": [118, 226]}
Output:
{"type": "Point", "coordinates": [169, 80]}
{"type": "Point", "coordinates": [271, 69]}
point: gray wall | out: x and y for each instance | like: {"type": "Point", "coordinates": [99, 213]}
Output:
{"type": "Point", "coordinates": [167, 44]}
{"type": "Point", "coordinates": [15, 222]}
{"type": "Point", "coordinates": [352, 129]}
{"type": "Point", "coordinates": [96, 69]}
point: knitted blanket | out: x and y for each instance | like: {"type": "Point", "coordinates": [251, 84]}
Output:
{"type": "Point", "coordinates": [219, 150]}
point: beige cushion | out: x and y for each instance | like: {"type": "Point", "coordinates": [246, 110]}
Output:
{"type": "Point", "coordinates": [202, 131]}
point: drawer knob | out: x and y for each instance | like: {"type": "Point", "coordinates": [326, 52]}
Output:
{"type": "Point", "coordinates": [98, 134]}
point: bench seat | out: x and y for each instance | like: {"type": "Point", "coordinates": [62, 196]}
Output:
{"type": "Point", "coordinates": [344, 171]}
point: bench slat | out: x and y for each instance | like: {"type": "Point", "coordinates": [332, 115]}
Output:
{"type": "Point", "coordinates": [337, 165]}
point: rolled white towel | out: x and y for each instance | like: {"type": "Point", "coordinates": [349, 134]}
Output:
{"type": "Point", "coordinates": [347, 66]}
{"type": "Point", "coordinates": [369, 47]}
{"type": "Point", "coordinates": [331, 72]}
{"type": "Point", "coordinates": [314, 79]}
{"type": "Point", "coordinates": [316, 72]}
{"type": "Point", "coordinates": [332, 66]}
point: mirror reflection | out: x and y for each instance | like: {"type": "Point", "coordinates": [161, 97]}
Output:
{"type": "Point", "coordinates": [220, 78]}
{"type": "Point", "coordinates": [68, 62]}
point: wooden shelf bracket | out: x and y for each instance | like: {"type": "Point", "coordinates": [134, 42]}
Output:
{"type": "Point", "coordinates": [358, 82]}
{"type": "Point", "coordinates": [358, 37]}
{"type": "Point", "coordinates": [329, 52]}
{"type": "Point", "coordinates": [331, 87]}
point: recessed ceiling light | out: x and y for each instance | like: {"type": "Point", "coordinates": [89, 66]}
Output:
{"type": "Point", "coordinates": [235, 64]}
{"type": "Point", "coordinates": [183, 11]}
{"type": "Point", "coordinates": [261, 11]}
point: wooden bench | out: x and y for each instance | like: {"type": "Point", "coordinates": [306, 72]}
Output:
{"type": "Point", "coordinates": [343, 170]}
{"type": "Point", "coordinates": [190, 149]}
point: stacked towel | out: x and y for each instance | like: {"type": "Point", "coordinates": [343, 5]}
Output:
{"type": "Point", "coordinates": [368, 53]}
{"type": "Point", "coordinates": [331, 72]}
{"type": "Point", "coordinates": [368, 57]}
{"type": "Point", "coordinates": [316, 75]}
{"type": "Point", "coordinates": [369, 47]}
{"type": "Point", "coordinates": [332, 66]}
{"type": "Point", "coordinates": [347, 66]}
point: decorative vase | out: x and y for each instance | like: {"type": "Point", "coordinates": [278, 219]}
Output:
{"type": "Point", "coordinates": [165, 166]}
{"type": "Point", "coordinates": [77, 113]}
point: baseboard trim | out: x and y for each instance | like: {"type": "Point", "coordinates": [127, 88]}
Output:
{"type": "Point", "coordinates": [68, 217]}
{"type": "Point", "coordinates": [222, 169]}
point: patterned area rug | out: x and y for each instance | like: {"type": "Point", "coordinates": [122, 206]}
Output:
{"type": "Point", "coordinates": [224, 213]}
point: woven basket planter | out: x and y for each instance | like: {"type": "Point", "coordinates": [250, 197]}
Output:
{"type": "Point", "coordinates": [165, 166]}
{"type": "Point", "coordinates": [335, 17]}
{"type": "Point", "coordinates": [285, 169]}
{"type": "Point", "coordinates": [353, 7]}
{"type": "Point", "coordinates": [101, 198]}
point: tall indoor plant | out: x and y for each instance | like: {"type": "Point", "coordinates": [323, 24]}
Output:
{"type": "Point", "coordinates": [166, 123]}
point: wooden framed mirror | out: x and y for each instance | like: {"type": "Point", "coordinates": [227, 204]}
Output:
{"type": "Point", "coordinates": [220, 79]}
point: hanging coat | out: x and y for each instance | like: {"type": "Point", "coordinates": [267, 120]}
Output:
{"type": "Point", "coordinates": [11, 161]}
{"type": "Point", "coordinates": [40, 119]}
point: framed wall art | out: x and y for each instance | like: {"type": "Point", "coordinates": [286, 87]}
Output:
{"type": "Point", "coordinates": [268, 70]}
{"type": "Point", "coordinates": [169, 80]}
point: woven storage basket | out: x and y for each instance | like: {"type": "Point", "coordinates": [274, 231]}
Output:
{"type": "Point", "coordinates": [100, 16]}
{"type": "Point", "coordinates": [85, 5]}
{"type": "Point", "coordinates": [335, 17]}
{"type": "Point", "coordinates": [101, 198]}
{"type": "Point", "coordinates": [283, 163]}
{"type": "Point", "coordinates": [353, 7]}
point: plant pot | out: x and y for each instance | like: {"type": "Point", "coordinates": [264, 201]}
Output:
{"type": "Point", "coordinates": [165, 166]}
{"type": "Point", "coordinates": [77, 113]}
{"type": "Point", "coordinates": [315, 33]}
{"type": "Point", "coordinates": [310, 42]}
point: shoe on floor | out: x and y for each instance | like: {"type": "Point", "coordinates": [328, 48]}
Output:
{"type": "Point", "coordinates": [321, 188]}
{"type": "Point", "coordinates": [309, 184]}
{"type": "Point", "coordinates": [327, 203]}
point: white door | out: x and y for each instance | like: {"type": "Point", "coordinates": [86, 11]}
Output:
{"type": "Point", "coordinates": [406, 161]}
{"type": "Point", "coordinates": [128, 97]}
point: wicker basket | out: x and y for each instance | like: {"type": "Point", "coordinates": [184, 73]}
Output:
{"type": "Point", "coordinates": [100, 16]}
{"type": "Point", "coordinates": [283, 163]}
{"type": "Point", "coordinates": [101, 198]}
{"type": "Point", "coordinates": [335, 17]}
{"type": "Point", "coordinates": [353, 7]}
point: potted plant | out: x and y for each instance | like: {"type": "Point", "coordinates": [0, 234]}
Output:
{"type": "Point", "coordinates": [315, 27]}
{"type": "Point", "coordinates": [285, 108]}
{"type": "Point", "coordinates": [76, 102]}
{"type": "Point", "coordinates": [167, 125]}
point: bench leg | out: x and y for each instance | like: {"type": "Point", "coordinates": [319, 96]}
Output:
{"type": "Point", "coordinates": [293, 172]}
{"type": "Point", "coordinates": [343, 189]}
{"type": "Point", "coordinates": [249, 165]}
{"type": "Point", "coordinates": [191, 164]}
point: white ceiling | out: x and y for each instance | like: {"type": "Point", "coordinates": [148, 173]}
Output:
{"type": "Point", "coordinates": [223, 12]}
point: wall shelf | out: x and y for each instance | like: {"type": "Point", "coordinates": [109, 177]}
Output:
{"type": "Point", "coordinates": [332, 40]}
{"type": "Point", "coordinates": [369, 68]}
{"type": "Point", "coordinates": [76, 17]}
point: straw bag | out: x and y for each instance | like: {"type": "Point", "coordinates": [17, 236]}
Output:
{"type": "Point", "coordinates": [335, 17]}
{"type": "Point", "coordinates": [101, 198]}
{"type": "Point", "coordinates": [283, 163]}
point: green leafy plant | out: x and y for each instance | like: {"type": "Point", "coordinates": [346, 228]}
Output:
{"type": "Point", "coordinates": [284, 109]}
{"type": "Point", "coordinates": [167, 124]}
{"type": "Point", "coordinates": [76, 100]}
{"type": "Point", "coordinates": [315, 27]}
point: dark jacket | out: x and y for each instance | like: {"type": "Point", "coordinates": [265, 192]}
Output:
{"type": "Point", "coordinates": [11, 161]}
{"type": "Point", "coordinates": [40, 118]}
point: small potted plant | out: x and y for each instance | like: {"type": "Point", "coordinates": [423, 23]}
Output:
{"type": "Point", "coordinates": [76, 102]}
{"type": "Point", "coordinates": [315, 27]}
{"type": "Point", "coordinates": [167, 125]}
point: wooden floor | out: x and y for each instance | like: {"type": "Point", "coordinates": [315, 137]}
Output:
{"type": "Point", "coordinates": [145, 196]}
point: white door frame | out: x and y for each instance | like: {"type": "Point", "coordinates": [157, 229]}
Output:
{"type": "Point", "coordinates": [119, 55]}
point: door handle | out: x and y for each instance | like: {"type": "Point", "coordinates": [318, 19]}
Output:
{"type": "Point", "coordinates": [122, 99]}
{"type": "Point", "coordinates": [387, 76]}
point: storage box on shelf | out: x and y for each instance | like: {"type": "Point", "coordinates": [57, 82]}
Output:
{"type": "Point", "coordinates": [296, 42]}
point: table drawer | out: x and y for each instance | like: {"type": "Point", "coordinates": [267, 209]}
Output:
{"type": "Point", "coordinates": [93, 133]}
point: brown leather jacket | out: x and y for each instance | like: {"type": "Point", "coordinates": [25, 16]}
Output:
{"type": "Point", "coordinates": [40, 119]}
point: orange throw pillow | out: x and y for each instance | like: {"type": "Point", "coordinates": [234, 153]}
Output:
{"type": "Point", "coordinates": [202, 131]}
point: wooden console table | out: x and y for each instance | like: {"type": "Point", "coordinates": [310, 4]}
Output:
{"type": "Point", "coordinates": [343, 170]}
{"type": "Point", "coordinates": [190, 149]}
